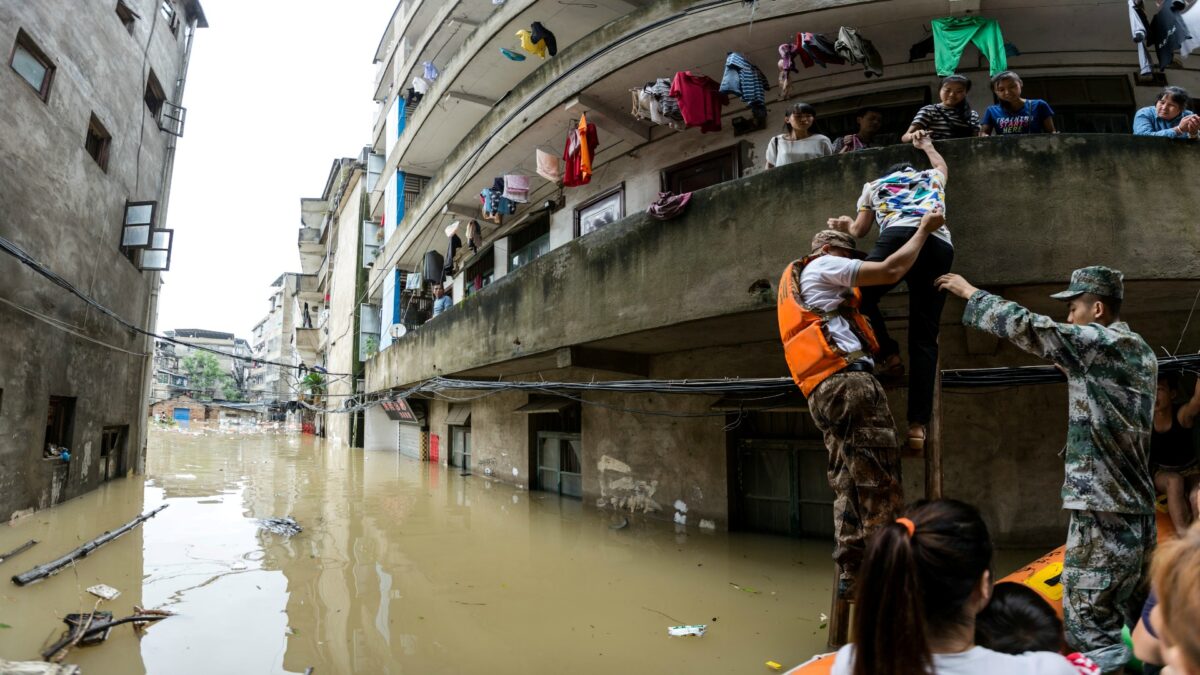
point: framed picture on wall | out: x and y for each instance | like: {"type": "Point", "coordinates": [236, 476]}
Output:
{"type": "Point", "coordinates": [605, 208]}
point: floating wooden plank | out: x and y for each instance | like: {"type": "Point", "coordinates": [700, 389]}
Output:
{"type": "Point", "coordinates": [55, 566]}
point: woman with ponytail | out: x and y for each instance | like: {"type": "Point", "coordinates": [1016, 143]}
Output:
{"type": "Point", "coordinates": [951, 117]}
{"type": "Point", "coordinates": [922, 581]}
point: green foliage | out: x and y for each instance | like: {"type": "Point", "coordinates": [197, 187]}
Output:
{"type": "Point", "coordinates": [313, 383]}
{"type": "Point", "coordinates": [205, 374]}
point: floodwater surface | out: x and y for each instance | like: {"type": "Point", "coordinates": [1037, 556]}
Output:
{"type": "Point", "coordinates": [402, 567]}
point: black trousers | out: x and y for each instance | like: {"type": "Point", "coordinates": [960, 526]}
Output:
{"type": "Point", "coordinates": [924, 313]}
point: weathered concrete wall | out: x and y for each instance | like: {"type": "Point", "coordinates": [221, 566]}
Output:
{"type": "Point", "coordinates": [65, 211]}
{"type": "Point", "coordinates": [500, 438]}
{"type": "Point", "coordinates": [340, 356]}
{"type": "Point", "coordinates": [640, 274]}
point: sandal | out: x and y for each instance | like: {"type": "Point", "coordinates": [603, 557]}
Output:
{"type": "Point", "coordinates": [892, 366]}
{"type": "Point", "coordinates": [916, 439]}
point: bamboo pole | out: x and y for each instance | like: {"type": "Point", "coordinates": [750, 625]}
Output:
{"type": "Point", "coordinates": [933, 442]}
{"type": "Point", "coordinates": [55, 566]}
{"type": "Point", "coordinates": [20, 549]}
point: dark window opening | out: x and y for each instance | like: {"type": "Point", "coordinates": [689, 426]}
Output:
{"type": "Point", "coordinates": [528, 244]}
{"type": "Point", "coordinates": [154, 95]}
{"type": "Point", "coordinates": [32, 64]}
{"type": "Point", "coordinates": [1088, 104]}
{"type": "Point", "coordinates": [603, 209]}
{"type": "Point", "coordinates": [169, 13]}
{"type": "Point", "coordinates": [127, 15]}
{"type": "Point", "coordinates": [112, 451]}
{"type": "Point", "coordinates": [701, 172]}
{"type": "Point", "coordinates": [97, 142]}
{"type": "Point", "coordinates": [60, 418]}
{"type": "Point", "coordinates": [480, 273]}
{"type": "Point", "coordinates": [839, 117]}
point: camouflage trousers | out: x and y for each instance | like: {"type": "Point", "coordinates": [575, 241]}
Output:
{"type": "Point", "coordinates": [852, 412]}
{"type": "Point", "coordinates": [1104, 581]}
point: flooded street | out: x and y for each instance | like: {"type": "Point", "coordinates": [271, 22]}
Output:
{"type": "Point", "coordinates": [402, 567]}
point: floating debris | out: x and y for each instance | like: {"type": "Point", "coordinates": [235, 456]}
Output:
{"type": "Point", "coordinates": [621, 525]}
{"type": "Point", "coordinates": [104, 591]}
{"type": "Point", "coordinates": [37, 668]}
{"type": "Point", "coordinates": [285, 526]}
{"type": "Point", "coordinates": [747, 589]}
{"type": "Point", "coordinates": [688, 631]}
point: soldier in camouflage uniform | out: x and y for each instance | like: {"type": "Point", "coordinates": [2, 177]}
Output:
{"type": "Point", "coordinates": [1111, 379]}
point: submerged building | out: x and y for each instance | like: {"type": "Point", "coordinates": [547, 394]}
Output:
{"type": "Point", "coordinates": [91, 115]}
{"type": "Point", "coordinates": [578, 284]}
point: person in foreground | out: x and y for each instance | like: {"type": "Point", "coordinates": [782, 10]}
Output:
{"type": "Point", "coordinates": [924, 579]}
{"type": "Point", "coordinates": [829, 345]}
{"type": "Point", "coordinates": [1019, 620]}
{"type": "Point", "coordinates": [1176, 579]}
{"type": "Point", "coordinates": [1111, 376]}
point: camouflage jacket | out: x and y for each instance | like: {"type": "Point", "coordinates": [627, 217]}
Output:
{"type": "Point", "coordinates": [1111, 378]}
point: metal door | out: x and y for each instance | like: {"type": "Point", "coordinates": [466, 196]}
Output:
{"type": "Point", "coordinates": [559, 463]}
{"type": "Point", "coordinates": [183, 417]}
{"type": "Point", "coordinates": [409, 440]}
{"type": "Point", "coordinates": [782, 487]}
{"type": "Point", "coordinates": [460, 447]}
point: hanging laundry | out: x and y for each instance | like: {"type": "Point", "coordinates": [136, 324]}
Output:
{"type": "Point", "coordinates": [474, 236]}
{"type": "Point", "coordinates": [538, 49]}
{"type": "Point", "coordinates": [420, 85]}
{"type": "Point", "coordinates": [1139, 27]}
{"type": "Point", "coordinates": [1191, 19]}
{"type": "Point", "coordinates": [1168, 31]}
{"type": "Point", "coordinates": [511, 55]}
{"type": "Point", "coordinates": [1010, 50]}
{"type": "Point", "coordinates": [669, 205]}
{"type": "Point", "coordinates": [857, 49]}
{"type": "Point", "coordinates": [921, 49]}
{"type": "Point", "coordinates": [413, 97]}
{"type": "Point", "coordinates": [665, 108]}
{"type": "Point", "coordinates": [516, 188]}
{"type": "Point", "coordinates": [582, 142]}
{"type": "Point", "coordinates": [640, 102]}
{"type": "Point", "coordinates": [548, 166]}
{"type": "Point", "coordinates": [815, 48]}
{"type": "Point", "coordinates": [743, 79]}
{"type": "Point", "coordinates": [451, 250]}
{"type": "Point", "coordinates": [539, 33]}
{"type": "Point", "coordinates": [431, 71]}
{"type": "Point", "coordinates": [951, 35]}
{"type": "Point", "coordinates": [699, 100]}
{"type": "Point", "coordinates": [787, 66]}
{"type": "Point", "coordinates": [495, 204]}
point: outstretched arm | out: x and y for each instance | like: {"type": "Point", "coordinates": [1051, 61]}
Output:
{"type": "Point", "coordinates": [897, 264]}
{"type": "Point", "coordinates": [856, 227]}
{"type": "Point", "coordinates": [935, 158]}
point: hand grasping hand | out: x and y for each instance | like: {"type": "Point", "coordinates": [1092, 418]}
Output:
{"type": "Point", "coordinates": [955, 284]}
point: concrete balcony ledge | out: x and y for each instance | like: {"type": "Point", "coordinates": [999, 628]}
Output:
{"type": "Point", "coordinates": [1022, 211]}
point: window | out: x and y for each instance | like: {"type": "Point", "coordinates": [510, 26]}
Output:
{"type": "Point", "coordinates": [1093, 104]}
{"type": "Point", "coordinates": [60, 417]}
{"type": "Point", "coordinates": [608, 207]}
{"type": "Point", "coordinates": [529, 244]}
{"type": "Point", "coordinates": [711, 169]}
{"type": "Point", "coordinates": [112, 451]}
{"type": "Point", "coordinates": [97, 142]}
{"type": "Point", "coordinates": [480, 273]}
{"type": "Point", "coordinates": [128, 16]}
{"type": "Point", "coordinates": [32, 64]}
{"type": "Point", "coordinates": [163, 378]}
{"type": "Point", "coordinates": [168, 11]}
{"type": "Point", "coordinates": [154, 95]}
{"type": "Point", "coordinates": [839, 117]}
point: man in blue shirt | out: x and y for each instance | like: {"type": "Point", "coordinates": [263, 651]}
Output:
{"type": "Point", "coordinates": [441, 301]}
{"type": "Point", "coordinates": [1167, 117]}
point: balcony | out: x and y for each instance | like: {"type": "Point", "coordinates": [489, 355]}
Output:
{"type": "Point", "coordinates": [641, 287]}
{"type": "Point", "coordinates": [307, 291]}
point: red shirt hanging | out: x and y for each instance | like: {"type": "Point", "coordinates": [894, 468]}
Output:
{"type": "Point", "coordinates": [578, 153]}
{"type": "Point", "coordinates": [699, 100]}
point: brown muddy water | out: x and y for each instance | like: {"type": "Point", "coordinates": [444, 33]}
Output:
{"type": "Point", "coordinates": [402, 567]}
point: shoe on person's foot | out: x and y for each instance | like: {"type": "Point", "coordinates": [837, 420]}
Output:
{"type": "Point", "coordinates": [916, 438]}
{"type": "Point", "coordinates": [891, 366]}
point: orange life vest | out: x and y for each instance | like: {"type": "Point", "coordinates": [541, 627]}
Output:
{"type": "Point", "coordinates": [811, 353]}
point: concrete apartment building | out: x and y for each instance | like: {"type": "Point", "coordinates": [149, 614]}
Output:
{"type": "Point", "coordinates": [91, 115]}
{"type": "Point", "coordinates": [273, 340]}
{"type": "Point", "coordinates": [169, 379]}
{"type": "Point", "coordinates": [337, 246]}
{"type": "Point", "coordinates": [694, 297]}
{"type": "Point", "coordinates": [228, 348]}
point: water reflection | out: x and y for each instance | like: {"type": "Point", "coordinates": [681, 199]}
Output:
{"type": "Point", "coordinates": [402, 567]}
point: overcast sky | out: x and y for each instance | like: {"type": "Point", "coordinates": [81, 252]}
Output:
{"type": "Point", "coordinates": [276, 90]}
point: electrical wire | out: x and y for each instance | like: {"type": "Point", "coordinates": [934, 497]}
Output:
{"type": "Point", "coordinates": [29, 261]}
{"type": "Point", "coordinates": [68, 328]}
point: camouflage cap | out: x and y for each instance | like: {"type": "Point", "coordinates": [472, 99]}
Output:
{"type": "Point", "coordinates": [838, 239]}
{"type": "Point", "coordinates": [1097, 280]}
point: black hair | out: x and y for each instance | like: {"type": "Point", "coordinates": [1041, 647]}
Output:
{"type": "Point", "coordinates": [1177, 95]}
{"type": "Point", "coordinates": [913, 588]}
{"type": "Point", "coordinates": [797, 109]}
{"type": "Point", "coordinates": [1006, 75]}
{"type": "Point", "coordinates": [963, 109]}
{"type": "Point", "coordinates": [869, 109]}
{"type": "Point", "coordinates": [1172, 380]}
{"type": "Point", "coordinates": [1018, 620]}
{"type": "Point", "coordinates": [1111, 303]}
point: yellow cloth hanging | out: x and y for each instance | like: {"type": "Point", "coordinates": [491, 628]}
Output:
{"type": "Point", "coordinates": [537, 48]}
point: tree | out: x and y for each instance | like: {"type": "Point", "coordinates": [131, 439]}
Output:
{"type": "Point", "coordinates": [204, 374]}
